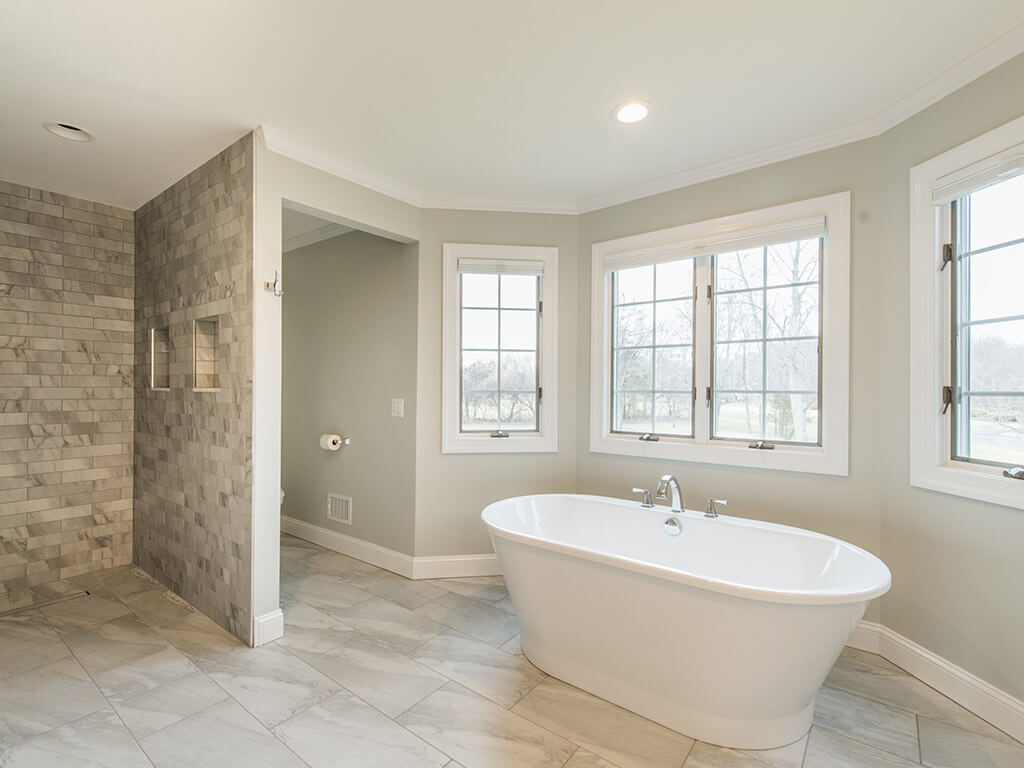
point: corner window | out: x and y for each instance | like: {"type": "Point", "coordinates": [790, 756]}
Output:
{"type": "Point", "coordinates": [727, 341]}
{"type": "Point", "coordinates": [499, 349]}
{"type": "Point", "coordinates": [967, 319]}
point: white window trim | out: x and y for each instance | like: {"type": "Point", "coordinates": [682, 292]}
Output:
{"type": "Point", "coordinates": [930, 464]}
{"type": "Point", "coordinates": [832, 457]}
{"type": "Point", "coordinates": [454, 441]}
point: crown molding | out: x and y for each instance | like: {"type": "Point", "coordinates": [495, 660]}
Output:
{"type": "Point", "coordinates": [971, 67]}
{"type": "Point", "coordinates": [325, 232]}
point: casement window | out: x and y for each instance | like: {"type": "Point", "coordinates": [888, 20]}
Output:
{"type": "Point", "coordinates": [727, 341]}
{"type": "Point", "coordinates": [499, 376]}
{"type": "Point", "coordinates": [967, 323]}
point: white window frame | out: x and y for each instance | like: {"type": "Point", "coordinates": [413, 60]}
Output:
{"type": "Point", "coordinates": [704, 238]}
{"type": "Point", "coordinates": [453, 440]}
{"type": "Point", "coordinates": [948, 175]}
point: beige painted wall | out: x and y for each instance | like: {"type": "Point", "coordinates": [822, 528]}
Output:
{"type": "Point", "coordinates": [452, 489]}
{"type": "Point", "coordinates": [349, 319]}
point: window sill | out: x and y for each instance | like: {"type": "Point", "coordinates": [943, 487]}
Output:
{"type": "Point", "coordinates": [976, 482]}
{"type": "Point", "coordinates": [532, 443]}
{"type": "Point", "coordinates": [786, 458]}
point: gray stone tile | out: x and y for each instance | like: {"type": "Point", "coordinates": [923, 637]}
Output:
{"type": "Point", "coordinates": [344, 732]}
{"type": "Point", "coordinates": [870, 722]}
{"type": "Point", "coordinates": [399, 627]}
{"type": "Point", "coordinates": [584, 759]}
{"type": "Point", "coordinates": [473, 617]}
{"type": "Point", "coordinates": [309, 630]}
{"type": "Point", "coordinates": [325, 592]}
{"type": "Point", "coordinates": [626, 739]}
{"type": "Point", "coordinates": [513, 647]}
{"type": "Point", "coordinates": [377, 673]}
{"type": "Point", "coordinates": [827, 749]}
{"type": "Point", "coordinates": [709, 756]}
{"type": "Point", "coordinates": [27, 640]}
{"type": "Point", "coordinates": [477, 732]}
{"type": "Point", "coordinates": [38, 699]}
{"type": "Point", "coordinates": [490, 589]}
{"type": "Point", "coordinates": [98, 740]}
{"type": "Point", "coordinates": [221, 736]}
{"type": "Point", "coordinates": [499, 676]}
{"type": "Point", "coordinates": [945, 746]}
{"type": "Point", "coordinates": [83, 612]}
{"type": "Point", "coordinates": [400, 590]}
{"type": "Point", "coordinates": [166, 704]}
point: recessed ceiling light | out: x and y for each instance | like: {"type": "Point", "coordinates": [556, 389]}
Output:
{"type": "Point", "coordinates": [632, 111]}
{"type": "Point", "coordinates": [68, 131]}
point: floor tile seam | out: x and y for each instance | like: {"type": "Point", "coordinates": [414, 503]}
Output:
{"type": "Point", "coordinates": [863, 743]}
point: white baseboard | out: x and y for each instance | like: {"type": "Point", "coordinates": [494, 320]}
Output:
{"type": "Point", "coordinates": [444, 567]}
{"type": "Point", "coordinates": [267, 628]}
{"type": "Point", "coordinates": [1002, 710]}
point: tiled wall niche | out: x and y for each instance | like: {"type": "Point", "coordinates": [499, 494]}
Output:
{"type": "Point", "coordinates": [160, 358]}
{"type": "Point", "coordinates": [205, 333]}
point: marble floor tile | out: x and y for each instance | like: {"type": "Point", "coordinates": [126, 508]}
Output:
{"type": "Point", "coordinates": [887, 728]}
{"type": "Point", "coordinates": [945, 746]}
{"type": "Point", "coordinates": [325, 592]}
{"type": "Point", "coordinates": [166, 704]}
{"type": "Point", "coordinates": [345, 732]}
{"type": "Point", "coordinates": [272, 684]}
{"type": "Point", "coordinates": [617, 735]}
{"type": "Point", "coordinates": [709, 756]}
{"type": "Point", "coordinates": [873, 677]}
{"type": "Point", "coordinates": [294, 547]}
{"type": "Point", "coordinates": [828, 749]}
{"type": "Point", "coordinates": [123, 583]}
{"type": "Point", "coordinates": [83, 612]}
{"type": "Point", "coordinates": [513, 647]}
{"type": "Point", "coordinates": [472, 617]}
{"type": "Point", "coordinates": [27, 640]}
{"type": "Point", "coordinates": [480, 734]}
{"type": "Point", "coordinates": [98, 740]}
{"type": "Point", "coordinates": [311, 631]}
{"type": "Point", "coordinates": [126, 657]}
{"type": "Point", "coordinates": [378, 674]}
{"type": "Point", "coordinates": [38, 699]}
{"type": "Point", "coordinates": [488, 588]}
{"type": "Point", "coordinates": [506, 605]}
{"type": "Point", "coordinates": [200, 638]}
{"type": "Point", "coordinates": [400, 590]}
{"type": "Point", "coordinates": [584, 759]}
{"type": "Point", "coordinates": [337, 564]}
{"type": "Point", "coordinates": [484, 669]}
{"type": "Point", "coordinates": [399, 627]}
{"type": "Point", "coordinates": [221, 736]}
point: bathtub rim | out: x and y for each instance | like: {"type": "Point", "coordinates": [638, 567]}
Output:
{"type": "Point", "coordinates": [688, 578]}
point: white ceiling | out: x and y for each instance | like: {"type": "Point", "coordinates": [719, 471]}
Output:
{"type": "Point", "coordinates": [472, 103]}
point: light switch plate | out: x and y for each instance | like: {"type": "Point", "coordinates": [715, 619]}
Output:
{"type": "Point", "coordinates": [398, 407]}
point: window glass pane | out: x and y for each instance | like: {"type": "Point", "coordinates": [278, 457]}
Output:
{"type": "Point", "coordinates": [739, 270]}
{"type": "Point", "coordinates": [674, 369]}
{"type": "Point", "coordinates": [633, 370]}
{"type": "Point", "coordinates": [995, 214]}
{"type": "Point", "coordinates": [792, 311]}
{"type": "Point", "coordinates": [636, 284]}
{"type": "Point", "coordinates": [519, 291]}
{"type": "Point", "coordinates": [739, 316]}
{"type": "Point", "coordinates": [673, 322]}
{"type": "Point", "coordinates": [479, 371]}
{"type": "Point", "coordinates": [479, 329]}
{"type": "Point", "coordinates": [739, 366]}
{"type": "Point", "coordinates": [479, 290]}
{"type": "Point", "coordinates": [795, 262]}
{"type": "Point", "coordinates": [792, 366]}
{"type": "Point", "coordinates": [792, 418]}
{"type": "Point", "coordinates": [633, 412]}
{"type": "Point", "coordinates": [518, 371]}
{"type": "Point", "coordinates": [672, 414]}
{"type": "Point", "coordinates": [518, 329]}
{"type": "Point", "coordinates": [997, 358]}
{"type": "Point", "coordinates": [518, 410]}
{"type": "Point", "coordinates": [995, 429]}
{"type": "Point", "coordinates": [738, 415]}
{"type": "Point", "coordinates": [634, 325]}
{"type": "Point", "coordinates": [997, 282]}
{"type": "Point", "coordinates": [674, 279]}
{"type": "Point", "coordinates": [480, 411]}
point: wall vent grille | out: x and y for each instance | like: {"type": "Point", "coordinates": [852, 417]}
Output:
{"type": "Point", "coordinates": [339, 508]}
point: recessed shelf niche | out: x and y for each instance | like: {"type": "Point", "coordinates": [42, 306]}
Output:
{"type": "Point", "coordinates": [204, 353]}
{"type": "Point", "coordinates": [160, 358]}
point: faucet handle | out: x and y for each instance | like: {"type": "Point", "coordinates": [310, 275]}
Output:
{"type": "Point", "coordinates": [647, 497]}
{"type": "Point", "coordinates": [711, 509]}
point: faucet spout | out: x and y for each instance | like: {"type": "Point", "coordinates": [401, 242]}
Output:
{"type": "Point", "coordinates": [669, 482]}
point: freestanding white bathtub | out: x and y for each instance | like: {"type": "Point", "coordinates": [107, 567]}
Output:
{"type": "Point", "coordinates": [723, 633]}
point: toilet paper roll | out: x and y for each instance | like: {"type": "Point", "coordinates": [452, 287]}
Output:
{"type": "Point", "coordinates": [330, 442]}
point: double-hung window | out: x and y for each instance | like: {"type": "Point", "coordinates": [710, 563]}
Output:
{"type": "Point", "coordinates": [967, 319]}
{"type": "Point", "coordinates": [727, 341]}
{"type": "Point", "coordinates": [498, 377]}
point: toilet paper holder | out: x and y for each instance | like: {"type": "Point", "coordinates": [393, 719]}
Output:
{"type": "Point", "coordinates": [334, 442]}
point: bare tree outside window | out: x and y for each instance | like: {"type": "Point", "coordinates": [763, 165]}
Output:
{"type": "Point", "coordinates": [766, 343]}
